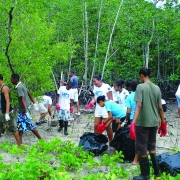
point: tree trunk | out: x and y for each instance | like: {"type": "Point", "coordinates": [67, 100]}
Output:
{"type": "Point", "coordinates": [147, 47]}
{"type": "Point", "coordinates": [97, 37]}
{"type": "Point", "coordinates": [86, 45]}
{"type": "Point", "coordinates": [110, 39]}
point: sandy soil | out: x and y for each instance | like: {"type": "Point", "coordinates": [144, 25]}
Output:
{"type": "Point", "coordinates": [84, 123]}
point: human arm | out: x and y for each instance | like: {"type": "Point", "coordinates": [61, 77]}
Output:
{"type": "Point", "coordinates": [24, 104]}
{"type": "Point", "coordinates": [31, 98]}
{"type": "Point", "coordinates": [137, 111]}
{"type": "Point", "coordinates": [91, 103]}
{"type": "Point", "coordinates": [161, 112]}
{"type": "Point", "coordinates": [110, 117]}
{"type": "Point", "coordinates": [110, 96]}
{"type": "Point", "coordinates": [63, 82]}
{"type": "Point", "coordinates": [5, 90]}
{"type": "Point", "coordinates": [49, 110]}
{"type": "Point", "coordinates": [128, 112]}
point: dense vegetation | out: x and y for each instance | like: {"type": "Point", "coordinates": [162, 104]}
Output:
{"type": "Point", "coordinates": [39, 39]}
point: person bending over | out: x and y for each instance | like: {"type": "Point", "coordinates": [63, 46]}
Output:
{"type": "Point", "coordinates": [113, 109]}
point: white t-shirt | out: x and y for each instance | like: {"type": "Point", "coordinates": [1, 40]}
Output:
{"type": "Point", "coordinates": [100, 91]}
{"type": "Point", "coordinates": [114, 94]}
{"type": "Point", "coordinates": [103, 90]}
{"type": "Point", "coordinates": [45, 100]}
{"type": "Point", "coordinates": [121, 97]}
{"type": "Point", "coordinates": [64, 97]}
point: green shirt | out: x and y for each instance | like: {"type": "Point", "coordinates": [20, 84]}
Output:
{"type": "Point", "coordinates": [150, 96]}
{"type": "Point", "coordinates": [22, 91]}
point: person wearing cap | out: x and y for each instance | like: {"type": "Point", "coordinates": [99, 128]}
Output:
{"type": "Point", "coordinates": [74, 82]}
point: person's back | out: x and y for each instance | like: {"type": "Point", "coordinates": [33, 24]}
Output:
{"type": "Point", "coordinates": [74, 81]}
{"type": "Point", "coordinates": [116, 110]}
{"type": "Point", "coordinates": [22, 91]}
{"type": "Point", "coordinates": [150, 96]}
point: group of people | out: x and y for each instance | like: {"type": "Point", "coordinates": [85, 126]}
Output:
{"type": "Point", "coordinates": [140, 105]}
{"type": "Point", "coordinates": [7, 115]}
{"type": "Point", "coordinates": [141, 108]}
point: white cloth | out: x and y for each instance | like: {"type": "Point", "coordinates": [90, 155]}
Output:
{"type": "Point", "coordinates": [75, 94]}
{"type": "Point", "coordinates": [64, 97]}
{"type": "Point", "coordinates": [163, 101]}
{"type": "Point", "coordinates": [100, 91]}
{"type": "Point", "coordinates": [103, 90]}
{"type": "Point", "coordinates": [114, 94]}
{"type": "Point", "coordinates": [121, 97]}
{"type": "Point", "coordinates": [178, 92]}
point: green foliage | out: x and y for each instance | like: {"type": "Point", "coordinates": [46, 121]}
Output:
{"type": "Point", "coordinates": [63, 160]}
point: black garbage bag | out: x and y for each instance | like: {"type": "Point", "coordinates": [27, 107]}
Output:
{"type": "Point", "coordinates": [169, 163]}
{"type": "Point", "coordinates": [122, 142]}
{"type": "Point", "coordinates": [93, 142]}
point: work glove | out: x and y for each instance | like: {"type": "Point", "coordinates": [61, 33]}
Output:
{"type": "Point", "coordinates": [90, 105]}
{"type": "Point", "coordinates": [58, 107]}
{"type": "Point", "coordinates": [162, 130]}
{"type": "Point", "coordinates": [132, 131]}
{"type": "Point", "coordinates": [36, 107]}
{"type": "Point", "coordinates": [71, 109]}
{"type": "Point", "coordinates": [101, 127]}
{"type": "Point", "coordinates": [28, 115]}
{"type": "Point", "coordinates": [7, 117]}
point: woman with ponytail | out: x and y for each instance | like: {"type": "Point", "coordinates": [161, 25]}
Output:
{"type": "Point", "coordinates": [101, 114]}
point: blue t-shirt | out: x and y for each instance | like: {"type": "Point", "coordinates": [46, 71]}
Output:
{"type": "Point", "coordinates": [130, 103]}
{"type": "Point", "coordinates": [74, 81]}
{"type": "Point", "coordinates": [116, 110]}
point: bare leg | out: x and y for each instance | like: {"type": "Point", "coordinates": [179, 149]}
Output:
{"type": "Point", "coordinates": [20, 135]}
{"type": "Point", "coordinates": [18, 139]}
{"type": "Point", "coordinates": [35, 132]}
{"type": "Point", "coordinates": [97, 121]}
{"type": "Point", "coordinates": [78, 107]}
{"type": "Point", "coordinates": [109, 133]}
{"type": "Point", "coordinates": [135, 161]}
{"type": "Point", "coordinates": [179, 111]}
{"type": "Point", "coordinates": [42, 116]}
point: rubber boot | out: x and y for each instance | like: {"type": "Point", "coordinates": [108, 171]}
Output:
{"type": "Point", "coordinates": [61, 125]}
{"type": "Point", "coordinates": [155, 166]}
{"type": "Point", "coordinates": [65, 128]}
{"type": "Point", "coordinates": [145, 170]}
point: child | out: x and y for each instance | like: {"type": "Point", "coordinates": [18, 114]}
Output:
{"type": "Point", "coordinates": [64, 100]}
{"type": "Point", "coordinates": [113, 109]}
{"type": "Point", "coordinates": [44, 104]}
{"type": "Point", "coordinates": [122, 93]}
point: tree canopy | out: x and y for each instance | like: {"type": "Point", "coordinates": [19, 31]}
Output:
{"type": "Point", "coordinates": [39, 39]}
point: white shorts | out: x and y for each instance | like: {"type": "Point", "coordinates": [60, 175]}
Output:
{"type": "Point", "coordinates": [100, 111]}
{"type": "Point", "coordinates": [42, 108]}
{"type": "Point", "coordinates": [75, 94]}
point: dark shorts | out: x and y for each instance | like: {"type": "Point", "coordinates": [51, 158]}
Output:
{"type": "Point", "coordinates": [7, 125]}
{"type": "Point", "coordinates": [145, 139]}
